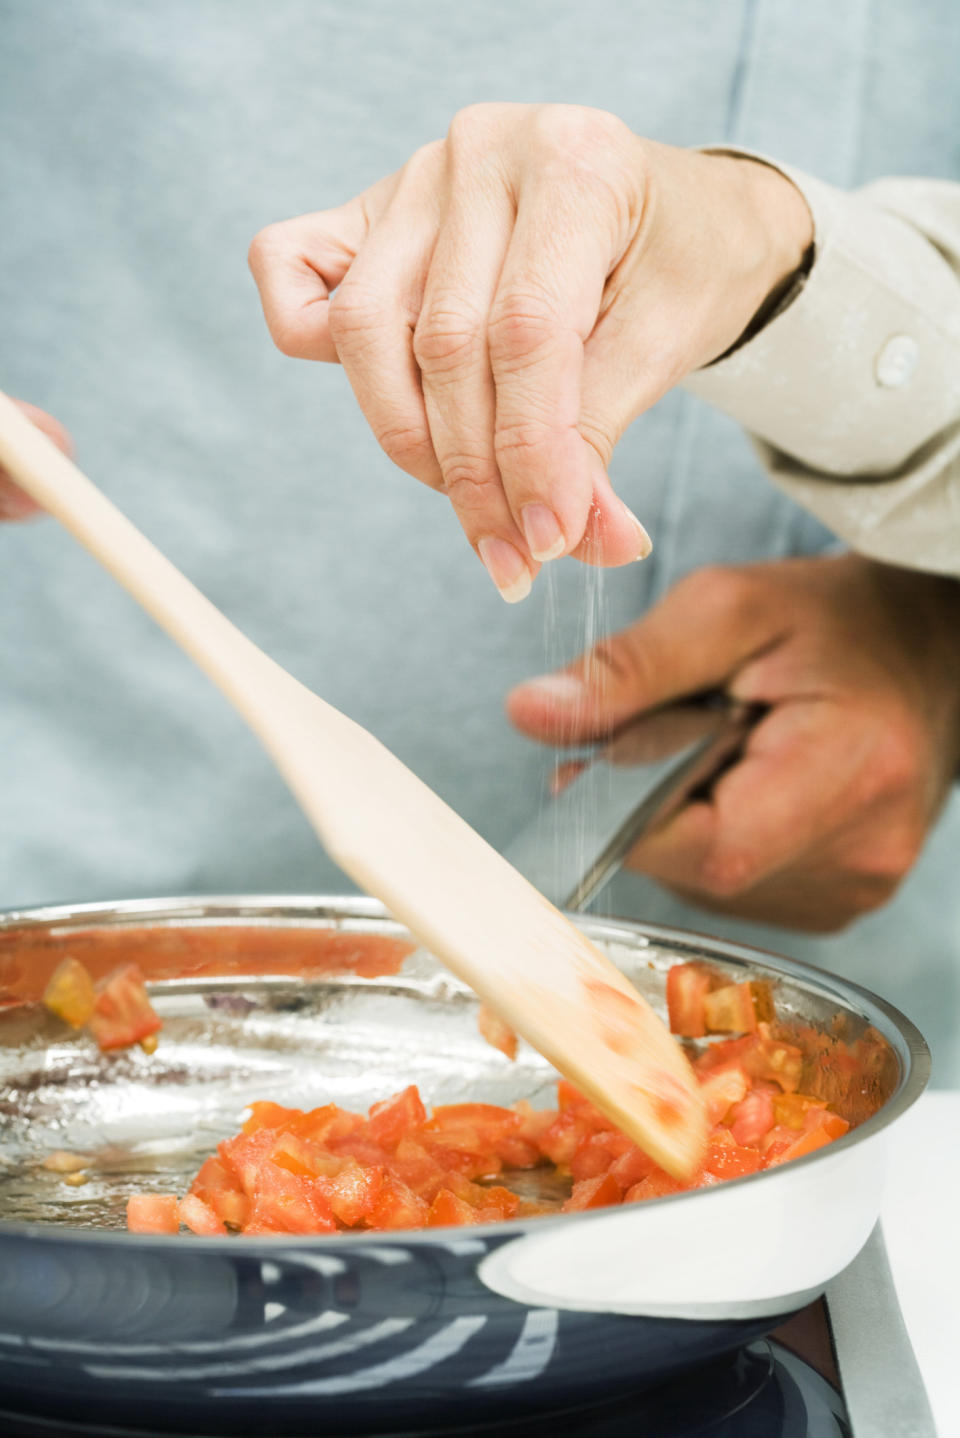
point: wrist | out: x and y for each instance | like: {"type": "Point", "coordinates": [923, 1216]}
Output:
{"type": "Point", "coordinates": [772, 243]}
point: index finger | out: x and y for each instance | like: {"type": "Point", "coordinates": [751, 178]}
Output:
{"type": "Point", "coordinates": [297, 263]}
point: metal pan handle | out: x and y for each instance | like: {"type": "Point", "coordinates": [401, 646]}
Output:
{"type": "Point", "coordinates": [578, 840]}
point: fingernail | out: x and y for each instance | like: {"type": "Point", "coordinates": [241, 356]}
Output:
{"type": "Point", "coordinates": [541, 530]}
{"type": "Point", "coordinates": [563, 689]}
{"type": "Point", "coordinates": [644, 542]}
{"type": "Point", "coordinates": [506, 568]}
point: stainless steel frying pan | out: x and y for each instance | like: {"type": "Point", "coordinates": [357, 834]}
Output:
{"type": "Point", "coordinates": [303, 1000]}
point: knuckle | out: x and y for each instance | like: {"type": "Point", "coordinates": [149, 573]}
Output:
{"type": "Point", "coordinates": [522, 323]}
{"type": "Point", "coordinates": [264, 245]}
{"type": "Point", "coordinates": [470, 123]}
{"type": "Point", "coordinates": [354, 312]}
{"type": "Point", "coordinates": [446, 338]}
{"type": "Point", "coordinates": [727, 875]}
{"type": "Point", "coordinates": [288, 336]}
{"type": "Point", "coordinates": [407, 444]}
{"type": "Point", "coordinates": [577, 131]}
{"type": "Point", "coordinates": [520, 442]}
{"type": "Point", "coordinates": [470, 482]}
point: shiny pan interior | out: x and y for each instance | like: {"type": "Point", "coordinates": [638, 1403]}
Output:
{"type": "Point", "coordinates": [307, 1001]}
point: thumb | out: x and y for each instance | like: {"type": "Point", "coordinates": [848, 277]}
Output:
{"type": "Point", "coordinates": [14, 503]}
{"type": "Point", "coordinates": [695, 638]}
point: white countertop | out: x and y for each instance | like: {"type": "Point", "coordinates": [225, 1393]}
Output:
{"type": "Point", "coordinates": [921, 1225]}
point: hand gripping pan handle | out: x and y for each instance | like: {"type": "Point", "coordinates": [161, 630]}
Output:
{"type": "Point", "coordinates": [638, 780]}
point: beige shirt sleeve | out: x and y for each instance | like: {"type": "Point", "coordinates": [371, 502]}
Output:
{"type": "Point", "coordinates": [852, 391]}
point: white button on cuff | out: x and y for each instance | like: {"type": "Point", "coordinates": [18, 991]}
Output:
{"type": "Point", "coordinates": [896, 362]}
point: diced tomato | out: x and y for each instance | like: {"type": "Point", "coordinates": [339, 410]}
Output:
{"type": "Point", "coordinates": [245, 1154]}
{"type": "Point", "coordinates": [593, 1193]}
{"type": "Point", "coordinates": [447, 1209]}
{"type": "Point", "coordinates": [360, 1147]}
{"type": "Point", "coordinates": [631, 1167]}
{"type": "Point", "coordinates": [199, 1217]}
{"type": "Point", "coordinates": [353, 1193]}
{"type": "Point", "coordinates": [722, 1088]}
{"type": "Point", "coordinates": [687, 988]}
{"type": "Point", "coordinates": [270, 1115]}
{"type": "Point", "coordinates": [791, 1109]}
{"type": "Point", "coordinates": [289, 1202]}
{"type": "Point", "coordinates": [122, 1013]}
{"type": "Point", "coordinates": [728, 1159]}
{"type": "Point", "coordinates": [730, 1010]}
{"type": "Point", "coordinates": [829, 1127]}
{"type": "Point", "coordinates": [464, 1188]}
{"type": "Point", "coordinates": [775, 1061]}
{"type": "Point", "coordinates": [597, 1153]}
{"type": "Point", "coordinates": [70, 993]}
{"type": "Point", "coordinates": [496, 1032]}
{"type": "Point", "coordinates": [308, 1159]}
{"type": "Point", "coordinates": [564, 1136]}
{"type": "Point", "coordinates": [415, 1167]}
{"type": "Point", "coordinates": [153, 1213]}
{"type": "Point", "coordinates": [753, 1116]}
{"type": "Point", "coordinates": [219, 1188]}
{"type": "Point", "coordinates": [396, 1117]}
{"type": "Point", "coordinates": [498, 1202]}
{"type": "Point", "coordinates": [656, 1185]}
{"type": "Point", "coordinates": [534, 1122]}
{"type": "Point", "coordinates": [518, 1153]}
{"type": "Point", "coordinates": [397, 1206]}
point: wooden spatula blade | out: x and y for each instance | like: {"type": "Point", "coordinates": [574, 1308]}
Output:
{"type": "Point", "coordinates": [462, 900]}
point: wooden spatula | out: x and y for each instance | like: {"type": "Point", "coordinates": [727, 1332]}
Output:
{"type": "Point", "coordinates": [401, 843]}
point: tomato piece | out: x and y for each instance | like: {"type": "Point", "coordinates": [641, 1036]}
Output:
{"type": "Point", "coordinates": [153, 1213]}
{"type": "Point", "coordinates": [397, 1206]}
{"type": "Point", "coordinates": [415, 1167]}
{"type": "Point", "coordinates": [753, 1117]}
{"type": "Point", "coordinates": [446, 1209]}
{"type": "Point", "coordinates": [269, 1115]}
{"type": "Point", "coordinates": [564, 1137]}
{"type": "Point", "coordinates": [496, 1032]}
{"type": "Point", "coordinates": [722, 1088]}
{"type": "Point", "coordinates": [656, 1185]}
{"type": "Point", "coordinates": [498, 1203]}
{"type": "Point", "coordinates": [309, 1160]}
{"type": "Point", "coordinates": [775, 1061]}
{"type": "Point", "coordinates": [353, 1193]}
{"type": "Point", "coordinates": [729, 1159]}
{"type": "Point", "coordinates": [597, 1153]}
{"type": "Point", "coordinates": [791, 1109]}
{"type": "Point", "coordinates": [396, 1117]}
{"type": "Point", "coordinates": [243, 1156]}
{"type": "Point", "coordinates": [598, 1192]}
{"type": "Point", "coordinates": [289, 1202]}
{"type": "Point", "coordinates": [122, 1012]}
{"type": "Point", "coordinates": [199, 1217]}
{"type": "Point", "coordinates": [218, 1187]}
{"type": "Point", "coordinates": [687, 988]}
{"type": "Point", "coordinates": [830, 1127]}
{"type": "Point", "coordinates": [533, 1121]}
{"type": "Point", "coordinates": [730, 1010]}
{"type": "Point", "coordinates": [631, 1167]}
{"type": "Point", "coordinates": [70, 993]}
{"type": "Point", "coordinates": [358, 1146]}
